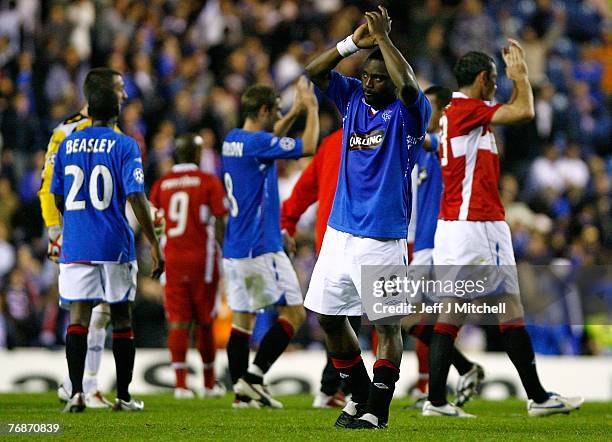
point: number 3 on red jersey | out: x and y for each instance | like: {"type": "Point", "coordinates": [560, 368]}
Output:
{"type": "Point", "coordinates": [444, 140]}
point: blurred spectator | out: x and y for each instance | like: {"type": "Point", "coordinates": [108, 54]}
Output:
{"type": "Point", "coordinates": [572, 169]}
{"type": "Point", "coordinates": [9, 203]}
{"type": "Point", "coordinates": [82, 16]}
{"type": "Point", "coordinates": [538, 37]}
{"type": "Point", "coordinates": [544, 174]}
{"type": "Point", "coordinates": [473, 30]}
{"type": "Point", "coordinates": [7, 252]}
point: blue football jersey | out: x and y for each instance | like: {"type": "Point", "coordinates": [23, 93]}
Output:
{"type": "Point", "coordinates": [95, 170]}
{"type": "Point", "coordinates": [378, 151]}
{"type": "Point", "coordinates": [427, 190]}
{"type": "Point", "coordinates": [251, 183]}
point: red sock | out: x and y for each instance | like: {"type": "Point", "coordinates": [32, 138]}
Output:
{"type": "Point", "coordinates": [422, 352]}
{"type": "Point", "coordinates": [178, 342]}
{"type": "Point", "coordinates": [205, 344]}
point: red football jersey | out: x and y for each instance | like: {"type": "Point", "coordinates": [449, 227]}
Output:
{"type": "Point", "coordinates": [189, 199]}
{"type": "Point", "coordinates": [470, 161]}
{"type": "Point", "coordinates": [317, 183]}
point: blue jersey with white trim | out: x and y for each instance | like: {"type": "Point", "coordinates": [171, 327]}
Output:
{"type": "Point", "coordinates": [95, 170]}
{"type": "Point", "coordinates": [251, 182]}
{"type": "Point", "coordinates": [427, 184]}
{"type": "Point", "coordinates": [378, 151]}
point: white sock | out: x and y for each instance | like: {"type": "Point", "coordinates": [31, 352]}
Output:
{"type": "Point", "coordinates": [90, 384]}
{"type": "Point", "coordinates": [254, 369]}
{"type": "Point", "coordinates": [95, 349]}
{"type": "Point", "coordinates": [67, 383]}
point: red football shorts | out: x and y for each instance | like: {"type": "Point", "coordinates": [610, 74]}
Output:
{"type": "Point", "coordinates": [187, 295]}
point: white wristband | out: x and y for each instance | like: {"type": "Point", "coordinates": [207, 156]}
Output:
{"type": "Point", "coordinates": [347, 46]}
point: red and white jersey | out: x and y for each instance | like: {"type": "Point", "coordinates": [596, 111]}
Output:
{"type": "Point", "coordinates": [470, 161]}
{"type": "Point", "coordinates": [189, 200]}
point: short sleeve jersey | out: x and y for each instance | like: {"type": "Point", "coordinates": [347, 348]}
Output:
{"type": "Point", "coordinates": [95, 170]}
{"type": "Point", "coordinates": [470, 161]}
{"type": "Point", "coordinates": [251, 183]}
{"type": "Point", "coordinates": [189, 200]}
{"type": "Point", "coordinates": [426, 191]}
{"type": "Point", "coordinates": [379, 149]}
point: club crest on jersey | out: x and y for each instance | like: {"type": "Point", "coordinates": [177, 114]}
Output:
{"type": "Point", "coordinates": [386, 115]}
{"type": "Point", "coordinates": [370, 140]}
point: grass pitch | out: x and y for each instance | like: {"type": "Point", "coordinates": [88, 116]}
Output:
{"type": "Point", "coordinates": [167, 419]}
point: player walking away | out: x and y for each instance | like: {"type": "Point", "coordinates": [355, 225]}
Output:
{"type": "Point", "coordinates": [257, 271]}
{"type": "Point", "coordinates": [191, 201]}
{"type": "Point", "coordinates": [471, 210]}
{"type": "Point", "coordinates": [426, 180]}
{"type": "Point", "coordinates": [100, 318]}
{"type": "Point", "coordinates": [317, 183]}
{"type": "Point", "coordinates": [96, 170]}
{"type": "Point", "coordinates": [385, 118]}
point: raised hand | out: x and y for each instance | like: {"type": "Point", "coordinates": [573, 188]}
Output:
{"type": "Point", "coordinates": [309, 97]}
{"type": "Point", "coordinates": [514, 58]}
{"type": "Point", "coordinates": [299, 89]}
{"type": "Point", "coordinates": [362, 37]}
{"type": "Point", "coordinates": [379, 23]}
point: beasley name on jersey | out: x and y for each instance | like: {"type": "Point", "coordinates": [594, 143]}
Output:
{"type": "Point", "coordinates": [470, 161]}
{"type": "Point", "coordinates": [95, 170]}
{"type": "Point", "coordinates": [379, 149]}
{"type": "Point", "coordinates": [251, 183]}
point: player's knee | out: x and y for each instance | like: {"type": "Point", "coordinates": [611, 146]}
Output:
{"type": "Point", "coordinates": [121, 315]}
{"type": "Point", "coordinates": [389, 332]}
{"type": "Point", "coordinates": [100, 320]}
{"type": "Point", "coordinates": [294, 314]}
{"type": "Point", "coordinates": [80, 313]}
{"type": "Point", "coordinates": [331, 324]}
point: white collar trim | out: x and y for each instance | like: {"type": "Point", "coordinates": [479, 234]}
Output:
{"type": "Point", "coordinates": [459, 95]}
{"type": "Point", "coordinates": [184, 167]}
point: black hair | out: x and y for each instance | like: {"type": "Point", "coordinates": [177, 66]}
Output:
{"type": "Point", "coordinates": [255, 97]}
{"type": "Point", "coordinates": [470, 65]}
{"type": "Point", "coordinates": [103, 104]}
{"type": "Point", "coordinates": [376, 54]}
{"type": "Point", "coordinates": [98, 78]}
{"type": "Point", "coordinates": [186, 148]}
{"type": "Point", "coordinates": [443, 94]}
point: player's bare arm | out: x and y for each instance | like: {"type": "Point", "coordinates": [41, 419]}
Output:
{"type": "Point", "coordinates": [521, 107]}
{"type": "Point", "coordinates": [400, 71]}
{"type": "Point", "coordinates": [310, 137]}
{"type": "Point", "coordinates": [318, 69]}
{"type": "Point", "coordinates": [140, 205]}
{"type": "Point", "coordinates": [282, 126]}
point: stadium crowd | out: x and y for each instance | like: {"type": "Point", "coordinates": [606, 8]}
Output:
{"type": "Point", "coordinates": [186, 63]}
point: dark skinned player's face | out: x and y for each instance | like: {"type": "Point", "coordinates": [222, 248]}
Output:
{"type": "Point", "coordinates": [378, 89]}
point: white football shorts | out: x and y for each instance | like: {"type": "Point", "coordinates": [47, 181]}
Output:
{"type": "Point", "coordinates": [256, 283]}
{"type": "Point", "coordinates": [335, 285]}
{"type": "Point", "coordinates": [423, 257]}
{"type": "Point", "coordinates": [478, 243]}
{"type": "Point", "coordinates": [101, 282]}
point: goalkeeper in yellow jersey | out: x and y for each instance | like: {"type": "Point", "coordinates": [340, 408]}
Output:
{"type": "Point", "coordinates": [96, 78]}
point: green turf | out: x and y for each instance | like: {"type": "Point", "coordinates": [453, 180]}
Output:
{"type": "Point", "coordinates": [167, 419]}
